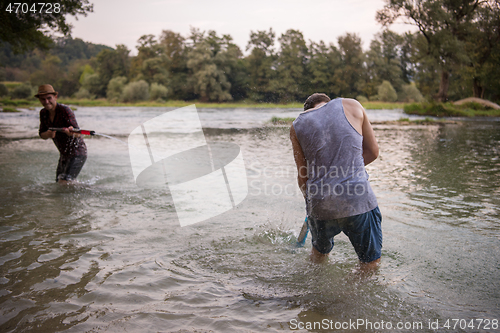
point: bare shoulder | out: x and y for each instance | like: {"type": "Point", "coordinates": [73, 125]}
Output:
{"type": "Point", "coordinates": [353, 108]}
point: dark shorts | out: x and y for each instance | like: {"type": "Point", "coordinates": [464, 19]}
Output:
{"type": "Point", "coordinates": [364, 232]}
{"type": "Point", "coordinates": [69, 167]}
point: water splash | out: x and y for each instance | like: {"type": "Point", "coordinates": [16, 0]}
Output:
{"type": "Point", "coordinates": [110, 137]}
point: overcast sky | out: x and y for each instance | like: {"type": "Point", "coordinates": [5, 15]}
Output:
{"type": "Point", "coordinates": [124, 21]}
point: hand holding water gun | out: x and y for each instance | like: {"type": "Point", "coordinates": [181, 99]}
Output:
{"type": "Point", "coordinates": [70, 131]}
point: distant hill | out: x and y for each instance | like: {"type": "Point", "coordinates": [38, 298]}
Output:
{"type": "Point", "coordinates": [67, 49]}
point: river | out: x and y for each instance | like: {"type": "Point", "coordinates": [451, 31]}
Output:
{"type": "Point", "coordinates": [106, 255]}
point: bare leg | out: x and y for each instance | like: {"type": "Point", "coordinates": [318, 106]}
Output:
{"type": "Point", "coordinates": [317, 257]}
{"type": "Point", "coordinates": [369, 266]}
{"type": "Point", "coordinates": [67, 182]}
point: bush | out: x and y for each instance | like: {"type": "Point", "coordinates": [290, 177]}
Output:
{"type": "Point", "coordinates": [475, 106]}
{"type": "Point", "coordinates": [282, 121]}
{"type": "Point", "coordinates": [8, 109]}
{"type": "Point", "coordinates": [87, 70]}
{"type": "Point", "coordinates": [410, 94]}
{"type": "Point", "coordinates": [362, 99]}
{"type": "Point", "coordinates": [92, 83]}
{"type": "Point", "coordinates": [158, 91]}
{"type": "Point", "coordinates": [4, 91]}
{"type": "Point", "coordinates": [115, 87]}
{"type": "Point", "coordinates": [414, 108]}
{"type": "Point", "coordinates": [435, 109]}
{"type": "Point", "coordinates": [84, 94]}
{"type": "Point", "coordinates": [135, 91]}
{"type": "Point", "coordinates": [386, 92]}
{"type": "Point", "coordinates": [22, 92]}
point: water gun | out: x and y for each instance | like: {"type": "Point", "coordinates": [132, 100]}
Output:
{"type": "Point", "coordinates": [75, 130]}
{"type": "Point", "coordinates": [301, 240]}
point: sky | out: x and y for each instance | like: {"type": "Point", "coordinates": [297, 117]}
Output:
{"type": "Point", "coordinates": [125, 21]}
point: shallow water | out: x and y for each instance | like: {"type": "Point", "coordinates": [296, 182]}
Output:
{"type": "Point", "coordinates": [106, 255]}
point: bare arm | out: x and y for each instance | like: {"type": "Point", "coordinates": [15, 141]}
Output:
{"type": "Point", "coordinates": [300, 161]}
{"type": "Point", "coordinates": [356, 115]}
{"type": "Point", "coordinates": [69, 132]}
{"type": "Point", "coordinates": [48, 134]}
{"type": "Point", "coordinates": [52, 134]}
{"type": "Point", "coordinates": [370, 145]}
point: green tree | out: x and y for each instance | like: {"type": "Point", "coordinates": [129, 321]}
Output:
{"type": "Point", "coordinates": [69, 49]}
{"type": "Point", "coordinates": [27, 29]}
{"type": "Point", "coordinates": [260, 64]}
{"type": "Point", "coordinates": [384, 61]}
{"type": "Point", "coordinates": [148, 48]}
{"type": "Point", "coordinates": [410, 94]}
{"type": "Point", "coordinates": [50, 72]}
{"type": "Point", "coordinates": [483, 70]}
{"type": "Point", "coordinates": [210, 63]}
{"type": "Point", "coordinates": [174, 52]}
{"type": "Point", "coordinates": [3, 90]}
{"type": "Point", "coordinates": [445, 25]}
{"type": "Point", "coordinates": [291, 67]}
{"type": "Point", "coordinates": [110, 64]}
{"type": "Point", "coordinates": [155, 70]}
{"type": "Point", "coordinates": [323, 62]}
{"type": "Point", "coordinates": [157, 91]}
{"type": "Point", "coordinates": [93, 84]}
{"type": "Point", "coordinates": [115, 87]}
{"type": "Point", "coordinates": [86, 70]}
{"type": "Point", "coordinates": [136, 91]}
{"type": "Point", "coordinates": [427, 73]}
{"type": "Point", "coordinates": [386, 92]}
{"type": "Point", "coordinates": [350, 77]}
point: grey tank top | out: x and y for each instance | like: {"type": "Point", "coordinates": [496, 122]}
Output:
{"type": "Point", "coordinates": [338, 183]}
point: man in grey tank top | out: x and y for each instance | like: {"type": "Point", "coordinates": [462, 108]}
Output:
{"type": "Point", "coordinates": [332, 142]}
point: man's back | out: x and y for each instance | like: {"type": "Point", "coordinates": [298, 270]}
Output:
{"type": "Point", "coordinates": [331, 141]}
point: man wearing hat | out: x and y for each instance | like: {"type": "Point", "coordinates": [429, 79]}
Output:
{"type": "Point", "coordinates": [72, 148]}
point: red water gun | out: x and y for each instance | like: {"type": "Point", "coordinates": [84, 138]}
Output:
{"type": "Point", "coordinates": [74, 130]}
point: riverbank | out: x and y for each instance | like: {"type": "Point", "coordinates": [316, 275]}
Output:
{"type": "Point", "coordinates": [468, 109]}
{"type": "Point", "coordinates": [30, 103]}
{"type": "Point", "coordinates": [457, 109]}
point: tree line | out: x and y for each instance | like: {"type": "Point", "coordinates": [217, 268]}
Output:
{"type": "Point", "coordinates": [454, 54]}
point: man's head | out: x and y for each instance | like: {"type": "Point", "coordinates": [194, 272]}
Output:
{"type": "Point", "coordinates": [314, 100]}
{"type": "Point", "coordinates": [47, 96]}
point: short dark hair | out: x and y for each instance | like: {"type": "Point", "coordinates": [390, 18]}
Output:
{"type": "Point", "coordinates": [314, 100]}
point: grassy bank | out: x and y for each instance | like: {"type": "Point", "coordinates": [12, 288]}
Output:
{"type": "Point", "coordinates": [422, 109]}
{"type": "Point", "coordinates": [8, 109]}
{"type": "Point", "coordinates": [451, 110]}
{"type": "Point", "coordinates": [230, 105]}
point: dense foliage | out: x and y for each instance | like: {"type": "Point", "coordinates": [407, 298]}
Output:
{"type": "Point", "coordinates": [207, 67]}
{"type": "Point", "coordinates": [457, 45]}
{"type": "Point", "coordinates": [26, 25]}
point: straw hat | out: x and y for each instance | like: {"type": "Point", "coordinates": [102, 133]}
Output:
{"type": "Point", "coordinates": [45, 89]}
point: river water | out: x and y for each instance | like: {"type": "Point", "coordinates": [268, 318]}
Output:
{"type": "Point", "coordinates": [108, 256]}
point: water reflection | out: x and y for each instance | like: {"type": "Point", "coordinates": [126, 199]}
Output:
{"type": "Point", "coordinates": [456, 168]}
{"type": "Point", "coordinates": [39, 265]}
{"type": "Point", "coordinates": [108, 255]}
